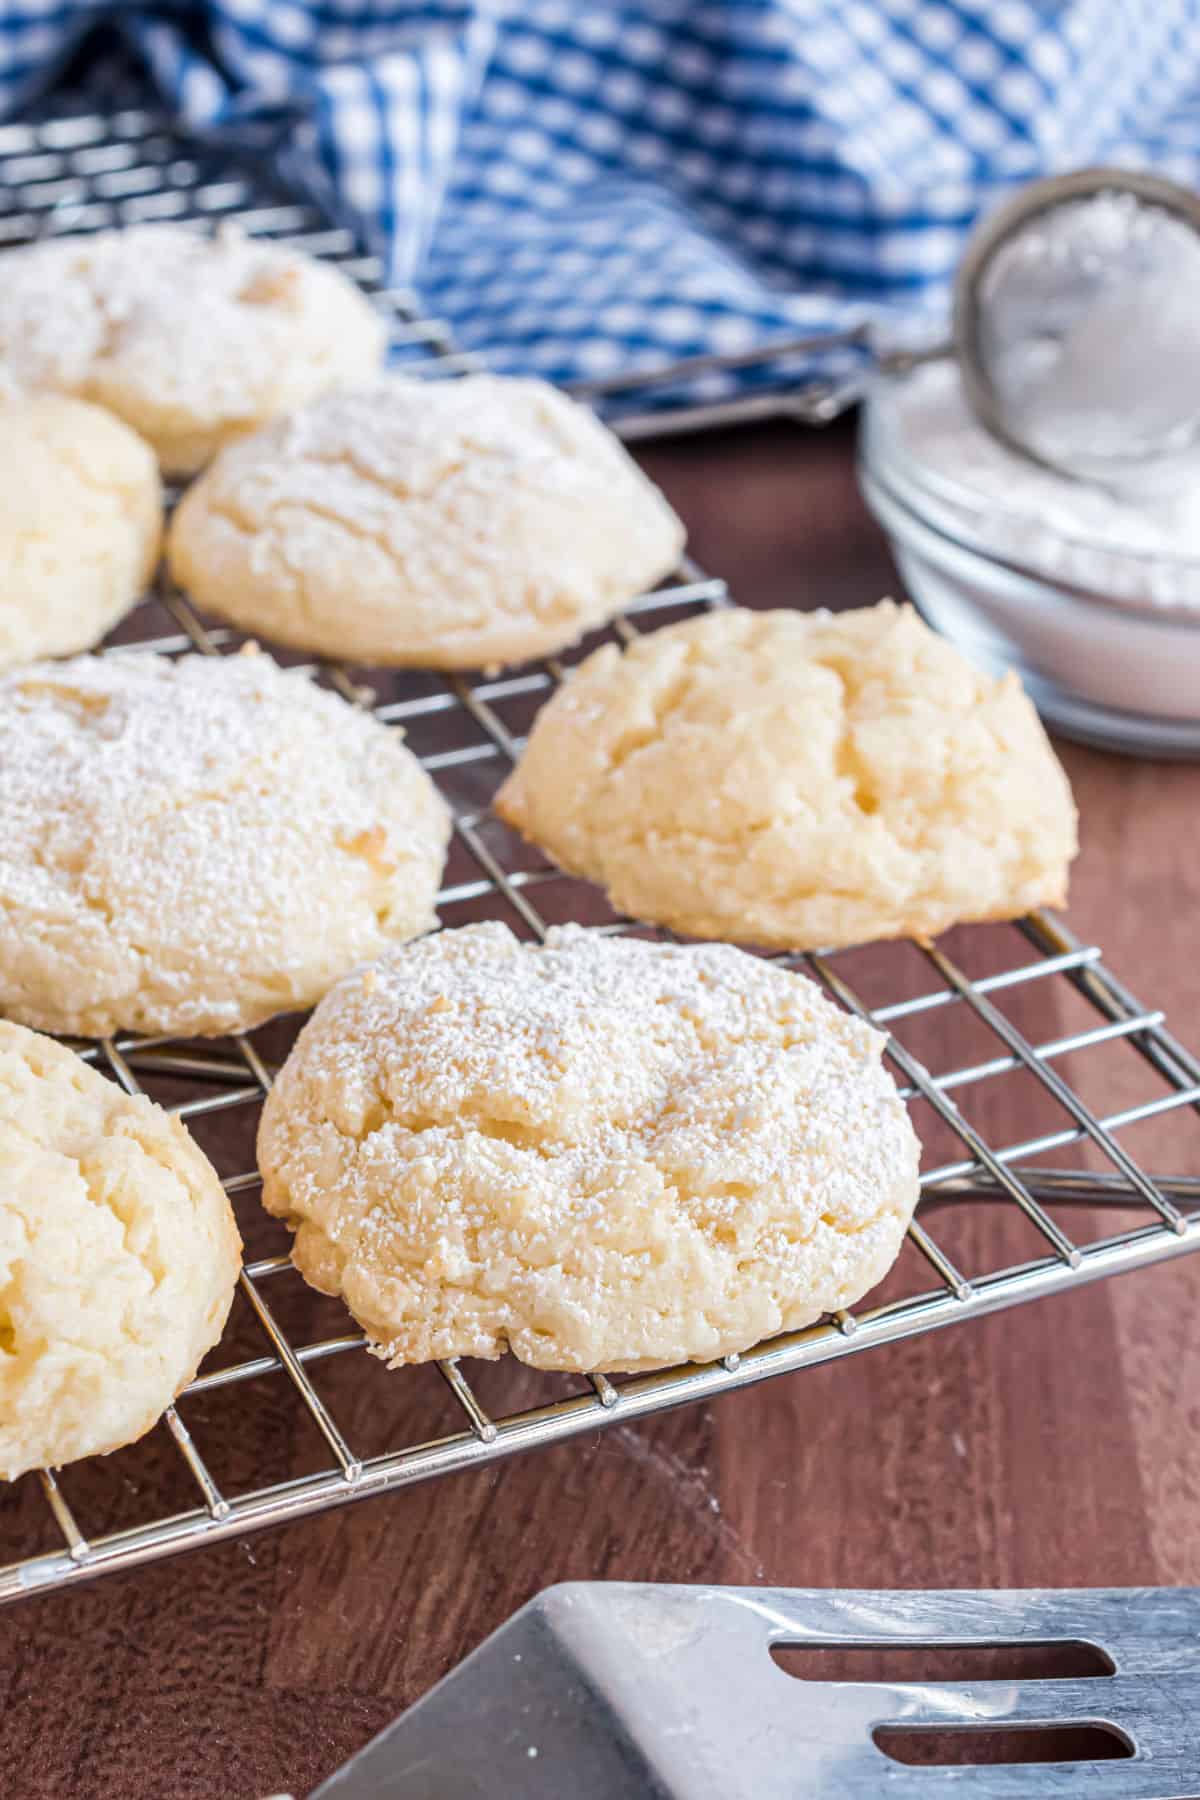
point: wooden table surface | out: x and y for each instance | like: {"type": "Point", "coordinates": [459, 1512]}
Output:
{"type": "Point", "coordinates": [1054, 1444]}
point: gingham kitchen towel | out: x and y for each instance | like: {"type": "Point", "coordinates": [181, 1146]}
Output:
{"type": "Point", "coordinates": [580, 186]}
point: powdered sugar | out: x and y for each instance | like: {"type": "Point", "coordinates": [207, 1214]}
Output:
{"type": "Point", "coordinates": [192, 846]}
{"type": "Point", "coordinates": [449, 523]}
{"type": "Point", "coordinates": [190, 339]}
{"type": "Point", "coordinates": [488, 1029]}
{"type": "Point", "coordinates": [1091, 336]}
{"type": "Point", "coordinates": [604, 1152]}
{"type": "Point", "coordinates": [407, 438]}
{"type": "Point", "coordinates": [1139, 548]}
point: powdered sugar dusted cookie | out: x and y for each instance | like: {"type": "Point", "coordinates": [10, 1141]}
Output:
{"type": "Point", "coordinates": [192, 846]}
{"type": "Point", "coordinates": [600, 1154]}
{"type": "Point", "coordinates": [192, 340]}
{"type": "Point", "coordinates": [798, 779]}
{"type": "Point", "coordinates": [118, 1258]}
{"type": "Point", "coordinates": [448, 524]}
{"type": "Point", "coordinates": [80, 524]}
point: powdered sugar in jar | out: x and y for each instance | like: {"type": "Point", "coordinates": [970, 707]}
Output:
{"type": "Point", "coordinates": [1093, 595]}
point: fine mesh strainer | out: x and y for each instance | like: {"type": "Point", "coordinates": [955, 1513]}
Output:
{"type": "Point", "coordinates": [1077, 324]}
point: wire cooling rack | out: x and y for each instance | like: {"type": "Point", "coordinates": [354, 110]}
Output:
{"type": "Point", "coordinates": [289, 1416]}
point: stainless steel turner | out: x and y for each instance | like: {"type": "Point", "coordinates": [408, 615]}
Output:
{"type": "Point", "coordinates": [616, 1691]}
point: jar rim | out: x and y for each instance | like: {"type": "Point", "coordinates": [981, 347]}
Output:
{"type": "Point", "coordinates": [932, 494]}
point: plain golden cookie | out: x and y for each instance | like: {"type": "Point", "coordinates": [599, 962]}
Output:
{"type": "Point", "coordinates": [191, 846]}
{"type": "Point", "coordinates": [118, 1258]}
{"type": "Point", "coordinates": [80, 525]}
{"type": "Point", "coordinates": [602, 1153]}
{"type": "Point", "coordinates": [796, 780]}
{"type": "Point", "coordinates": [192, 340]}
{"type": "Point", "coordinates": [444, 524]}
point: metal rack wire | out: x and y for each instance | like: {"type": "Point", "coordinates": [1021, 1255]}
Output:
{"type": "Point", "coordinates": [82, 171]}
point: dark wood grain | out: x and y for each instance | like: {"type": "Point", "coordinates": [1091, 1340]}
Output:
{"type": "Point", "coordinates": [1057, 1444]}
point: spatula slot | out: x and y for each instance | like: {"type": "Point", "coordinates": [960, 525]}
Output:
{"type": "Point", "coordinates": [941, 1746]}
{"type": "Point", "coordinates": [1056, 1660]}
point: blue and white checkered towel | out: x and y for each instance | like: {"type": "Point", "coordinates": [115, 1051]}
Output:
{"type": "Point", "coordinates": [583, 188]}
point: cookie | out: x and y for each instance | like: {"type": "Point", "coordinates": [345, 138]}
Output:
{"type": "Point", "coordinates": [797, 780]}
{"type": "Point", "coordinates": [443, 524]}
{"type": "Point", "coordinates": [600, 1154]}
{"type": "Point", "coordinates": [118, 1258]}
{"type": "Point", "coordinates": [80, 525]}
{"type": "Point", "coordinates": [192, 340]}
{"type": "Point", "coordinates": [189, 847]}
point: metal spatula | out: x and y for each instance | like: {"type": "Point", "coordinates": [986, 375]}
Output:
{"type": "Point", "coordinates": [615, 1691]}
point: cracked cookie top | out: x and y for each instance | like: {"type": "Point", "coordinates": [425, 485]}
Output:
{"type": "Point", "coordinates": [601, 1153]}
{"type": "Point", "coordinates": [450, 524]}
{"type": "Point", "coordinates": [192, 340]}
{"type": "Point", "coordinates": [798, 780]}
{"type": "Point", "coordinates": [118, 1258]}
{"type": "Point", "coordinates": [192, 846]}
